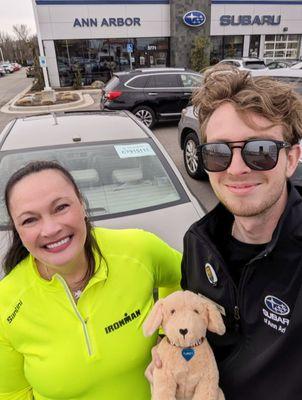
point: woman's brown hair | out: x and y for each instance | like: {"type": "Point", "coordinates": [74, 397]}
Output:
{"type": "Point", "coordinates": [17, 252]}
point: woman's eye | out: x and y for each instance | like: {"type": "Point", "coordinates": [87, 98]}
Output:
{"type": "Point", "coordinates": [62, 207]}
{"type": "Point", "coordinates": [172, 311]}
{"type": "Point", "coordinates": [196, 311]}
{"type": "Point", "coordinates": [28, 221]}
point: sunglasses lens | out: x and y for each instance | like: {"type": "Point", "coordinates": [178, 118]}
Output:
{"type": "Point", "coordinates": [260, 155]}
{"type": "Point", "coordinates": [216, 157]}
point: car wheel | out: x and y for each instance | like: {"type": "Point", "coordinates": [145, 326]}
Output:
{"type": "Point", "coordinates": [146, 114]}
{"type": "Point", "coordinates": [192, 164]}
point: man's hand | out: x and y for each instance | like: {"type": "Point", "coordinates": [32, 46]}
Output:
{"type": "Point", "coordinates": [156, 362]}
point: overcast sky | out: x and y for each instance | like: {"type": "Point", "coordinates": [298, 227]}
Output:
{"type": "Point", "coordinates": [16, 12]}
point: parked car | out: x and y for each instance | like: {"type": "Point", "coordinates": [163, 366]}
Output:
{"type": "Point", "coordinates": [278, 64]}
{"type": "Point", "coordinates": [8, 68]}
{"type": "Point", "coordinates": [245, 63]}
{"type": "Point", "coordinates": [30, 71]}
{"type": "Point", "coordinates": [123, 172]}
{"type": "Point", "coordinates": [152, 94]}
{"type": "Point", "coordinates": [189, 139]}
{"type": "Point", "coordinates": [297, 65]}
{"type": "Point", "coordinates": [16, 66]}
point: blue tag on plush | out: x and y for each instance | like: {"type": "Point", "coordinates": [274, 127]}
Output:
{"type": "Point", "coordinates": [188, 354]}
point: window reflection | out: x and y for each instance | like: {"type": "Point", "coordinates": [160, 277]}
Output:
{"type": "Point", "coordinates": [97, 59]}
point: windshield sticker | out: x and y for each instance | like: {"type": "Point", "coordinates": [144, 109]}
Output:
{"type": "Point", "coordinates": [134, 150]}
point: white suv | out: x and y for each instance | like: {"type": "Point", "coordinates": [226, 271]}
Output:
{"type": "Point", "coordinates": [246, 64]}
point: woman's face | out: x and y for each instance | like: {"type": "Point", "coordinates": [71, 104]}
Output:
{"type": "Point", "coordinates": [49, 218]}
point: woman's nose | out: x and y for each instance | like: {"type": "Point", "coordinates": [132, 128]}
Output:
{"type": "Point", "coordinates": [50, 227]}
{"type": "Point", "coordinates": [238, 165]}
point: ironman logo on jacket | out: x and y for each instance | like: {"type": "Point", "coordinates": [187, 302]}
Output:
{"type": "Point", "coordinates": [275, 313]}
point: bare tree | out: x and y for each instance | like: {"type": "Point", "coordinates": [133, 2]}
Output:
{"type": "Point", "coordinates": [22, 33]}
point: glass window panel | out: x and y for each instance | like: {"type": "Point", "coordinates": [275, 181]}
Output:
{"type": "Point", "coordinates": [190, 80]}
{"type": "Point", "coordinates": [270, 38]}
{"type": "Point", "coordinates": [166, 80]}
{"type": "Point", "coordinates": [280, 45]}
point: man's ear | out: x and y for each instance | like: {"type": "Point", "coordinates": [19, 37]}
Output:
{"type": "Point", "coordinates": [154, 319]}
{"type": "Point", "coordinates": [293, 157]}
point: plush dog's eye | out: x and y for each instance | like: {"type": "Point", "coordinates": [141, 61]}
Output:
{"type": "Point", "coordinates": [172, 311]}
{"type": "Point", "coordinates": [196, 311]}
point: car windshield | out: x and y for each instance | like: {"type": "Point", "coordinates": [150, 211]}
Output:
{"type": "Point", "coordinates": [254, 64]}
{"type": "Point", "coordinates": [116, 178]}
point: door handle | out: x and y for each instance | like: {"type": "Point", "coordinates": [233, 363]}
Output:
{"type": "Point", "coordinates": [152, 94]}
{"type": "Point", "coordinates": [187, 93]}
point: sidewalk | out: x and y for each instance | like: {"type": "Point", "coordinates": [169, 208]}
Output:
{"type": "Point", "coordinates": [85, 100]}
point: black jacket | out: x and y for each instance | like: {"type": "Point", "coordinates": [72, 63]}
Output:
{"type": "Point", "coordinates": [260, 356]}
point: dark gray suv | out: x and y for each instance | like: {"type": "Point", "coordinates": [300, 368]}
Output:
{"type": "Point", "coordinates": [152, 94]}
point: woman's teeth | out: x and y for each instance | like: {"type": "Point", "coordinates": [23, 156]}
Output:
{"type": "Point", "coordinates": [57, 244]}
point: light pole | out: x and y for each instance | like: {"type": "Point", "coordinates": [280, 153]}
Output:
{"type": "Point", "coordinates": [2, 55]}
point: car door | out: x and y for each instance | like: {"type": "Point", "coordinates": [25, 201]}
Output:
{"type": "Point", "coordinates": [163, 93]}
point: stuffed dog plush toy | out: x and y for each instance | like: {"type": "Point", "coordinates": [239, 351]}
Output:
{"type": "Point", "coordinates": [189, 370]}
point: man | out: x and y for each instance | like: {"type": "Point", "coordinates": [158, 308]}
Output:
{"type": "Point", "coordinates": [246, 254]}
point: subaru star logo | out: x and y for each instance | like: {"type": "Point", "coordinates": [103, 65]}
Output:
{"type": "Point", "coordinates": [194, 18]}
{"type": "Point", "coordinates": [276, 305]}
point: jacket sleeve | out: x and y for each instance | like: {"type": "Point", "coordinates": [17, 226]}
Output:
{"type": "Point", "coordinates": [166, 263]}
{"type": "Point", "coordinates": [13, 385]}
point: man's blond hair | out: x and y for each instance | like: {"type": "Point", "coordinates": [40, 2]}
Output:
{"type": "Point", "coordinates": [265, 96]}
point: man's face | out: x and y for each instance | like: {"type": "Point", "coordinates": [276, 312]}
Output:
{"type": "Point", "coordinates": [246, 192]}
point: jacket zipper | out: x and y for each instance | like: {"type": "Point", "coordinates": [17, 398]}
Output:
{"type": "Point", "coordinates": [83, 322]}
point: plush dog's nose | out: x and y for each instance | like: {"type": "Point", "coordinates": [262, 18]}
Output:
{"type": "Point", "coordinates": [183, 332]}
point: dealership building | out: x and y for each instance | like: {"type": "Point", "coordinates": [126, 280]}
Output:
{"type": "Point", "coordinates": [98, 37]}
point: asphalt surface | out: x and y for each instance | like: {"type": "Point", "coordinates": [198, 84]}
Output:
{"type": "Point", "coordinates": [12, 84]}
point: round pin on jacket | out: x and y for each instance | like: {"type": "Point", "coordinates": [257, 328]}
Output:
{"type": "Point", "coordinates": [211, 274]}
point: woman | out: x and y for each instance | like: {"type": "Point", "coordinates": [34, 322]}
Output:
{"type": "Point", "coordinates": [74, 298]}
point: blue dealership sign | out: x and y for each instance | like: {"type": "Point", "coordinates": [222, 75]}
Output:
{"type": "Point", "coordinates": [194, 18]}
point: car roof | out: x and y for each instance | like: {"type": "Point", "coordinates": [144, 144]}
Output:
{"type": "Point", "coordinates": [67, 128]}
{"type": "Point", "coordinates": [152, 70]}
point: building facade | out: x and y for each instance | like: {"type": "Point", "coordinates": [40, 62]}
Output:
{"type": "Point", "coordinates": [98, 37]}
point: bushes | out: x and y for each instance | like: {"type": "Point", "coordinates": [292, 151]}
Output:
{"type": "Point", "coordinates": [200, 54]}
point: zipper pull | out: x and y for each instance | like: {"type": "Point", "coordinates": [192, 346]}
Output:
{"type": "Point", "coordinates": [236, 313]}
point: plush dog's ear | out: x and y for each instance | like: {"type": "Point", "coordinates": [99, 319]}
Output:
{"type": "Point", "coordinates": [154, 319]}
{"type": "Point", "coordinates": [215, 323]}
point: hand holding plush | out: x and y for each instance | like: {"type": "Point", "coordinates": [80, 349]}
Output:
{"type": "Point", "coordinates": [189, 370]}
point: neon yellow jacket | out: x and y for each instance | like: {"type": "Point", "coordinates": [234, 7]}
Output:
{"type": "Point", "coordinates": [51, 348]}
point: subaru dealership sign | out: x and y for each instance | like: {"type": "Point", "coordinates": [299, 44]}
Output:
{"type": "Point", "coordinates": [194, 18]}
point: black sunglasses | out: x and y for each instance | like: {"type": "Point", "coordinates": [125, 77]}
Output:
{"type": "Point", "coordinates": [259, 155]}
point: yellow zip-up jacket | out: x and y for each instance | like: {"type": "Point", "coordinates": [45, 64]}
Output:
{"type": "Point", "coordinates": [52, 348]}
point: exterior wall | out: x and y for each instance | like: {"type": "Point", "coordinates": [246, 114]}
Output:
{"type": "Point", "coordinates": [291, 18]}
{"type": "Point", "coordinates": [182, 36]}
{"type": "Point", "coordinates": [59, 21]}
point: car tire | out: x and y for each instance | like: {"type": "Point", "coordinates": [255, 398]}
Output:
{"type": "Point", "coordinates": [192, 164]}
{"type": "Point", "coordinates": [146, 115]}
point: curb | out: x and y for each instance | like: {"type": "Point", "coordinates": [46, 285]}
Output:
{"type": "Point", "coordinates": [10, 108]}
